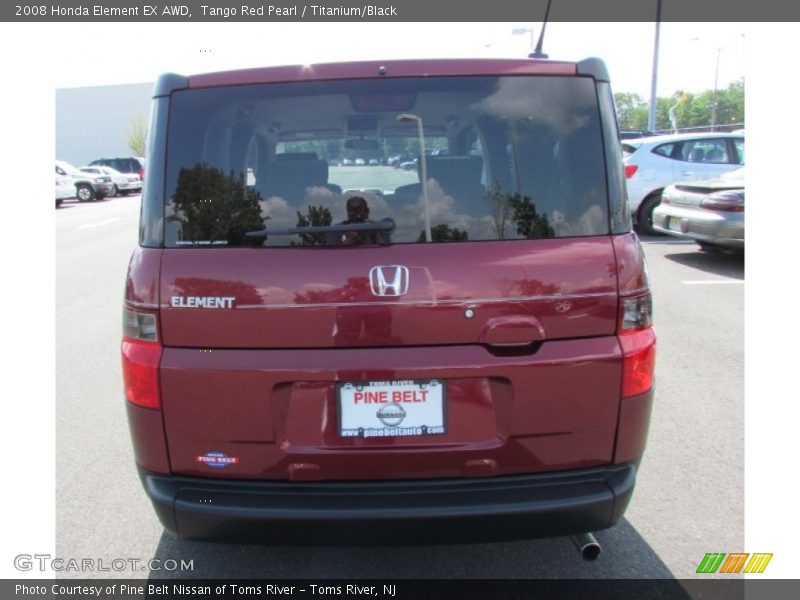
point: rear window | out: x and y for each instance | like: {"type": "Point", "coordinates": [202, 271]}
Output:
{"type": "Point", "coordinates": [276, 164]}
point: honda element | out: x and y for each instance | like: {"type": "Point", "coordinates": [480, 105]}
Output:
{"type": "Point", "coordinates": [323, 347]}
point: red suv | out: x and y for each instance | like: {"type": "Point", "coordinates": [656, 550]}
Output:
{"type": "Point", "coordinates": [317, 353]}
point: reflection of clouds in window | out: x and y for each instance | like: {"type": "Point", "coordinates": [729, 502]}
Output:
{"type": "Point", "coordinates": [440, 205]}
{"type": "Point", "coordinates": [275, 208]}
{"type": "Point", "coordinates": [318, 193]}
{"type": "Point", "coordinates": [443, 209]}
{"type": "Point", "coordinates": [557, 104]}
{"type": "Point", "coordinates": [591, 222]}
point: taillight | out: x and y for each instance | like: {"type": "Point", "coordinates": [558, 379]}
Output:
{"type": "Point", "coordinates": [630, 170]}
{"type": "Point", "coordinates": [141, 356]}
{"type": "Point", "coordinates": [638, 342]}
{"type": "Point", "coordinates": [726, 201]}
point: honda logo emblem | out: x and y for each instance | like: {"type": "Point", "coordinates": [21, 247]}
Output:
{"type": "Point", "coordinates": [388, 281]}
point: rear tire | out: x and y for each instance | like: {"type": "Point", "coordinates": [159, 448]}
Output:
{"type": "Point", "coordinates": [59, 202]}
{"type": "Point", "coordinates": [644, 218]}
{"type": "Point", "coordinates": [84, 192]}
{"type": "Point", "coordinates": [114, 190]}
{"type": "Point", "coordinates": [714, 249]}
{"type": "Point", "coordinates": [705, 247]}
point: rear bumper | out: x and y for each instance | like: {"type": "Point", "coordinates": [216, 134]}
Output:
{"type": "Point", "coordinates": [392, 512]}
{"type": "Point", "coordinates": [103, 189]}
{"type": "Point", "coordinates": [722, 229]}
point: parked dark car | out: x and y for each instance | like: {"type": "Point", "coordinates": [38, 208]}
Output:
{"type": "Point", "coordinates": [130, 164]}
{"type": "Point", "coordinates": [467, 355]}
{"type": "Point", "coordinates": [632, 134]}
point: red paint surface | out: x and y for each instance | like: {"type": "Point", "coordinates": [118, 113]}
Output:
{"type": "Point", "coordinates": [258, 381]}
{"type": "Point", "coordinates": [370, 69]}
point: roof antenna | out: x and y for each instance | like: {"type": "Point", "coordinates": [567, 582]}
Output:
{"type": "Point", "coordinates": [537, 53]}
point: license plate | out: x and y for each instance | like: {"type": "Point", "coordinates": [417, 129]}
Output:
{"type": "Point", "coordinates": [675, 223]}
{"type": "Point", "coordinates": [388, 409]}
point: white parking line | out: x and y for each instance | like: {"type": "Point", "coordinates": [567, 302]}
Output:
{"type": "Point", "coordinates": [712, 281]}
{"type": "Point", "coordinates": [99, 223]}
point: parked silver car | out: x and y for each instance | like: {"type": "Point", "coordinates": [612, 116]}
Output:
{"type": "Point", "coordinates": [124, 183]}
{"type": "Point", "coordinates": [653, 163]}
{"type": "Point", "coordinates": [88, 186]}
{"type": "Point", "coordinates": [709, 212]}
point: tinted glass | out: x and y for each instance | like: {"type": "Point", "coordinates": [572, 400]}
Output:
{"type": "Point", "coordinates": [505, 158]}
{"type": "Point", "coordinates": [664, 150]}
{"type": "Point", "coordinates": [619, 208]}
{"type": "Point", "coordinates": [705, 151]}
{"type": "Point", "coordinates": [739, 143]}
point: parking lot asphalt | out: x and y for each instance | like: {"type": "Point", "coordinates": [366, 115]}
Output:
{"type": "Point", "coordinates": [690, 493]}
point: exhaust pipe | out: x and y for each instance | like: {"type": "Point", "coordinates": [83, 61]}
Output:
{"type": "Point", "coordinates": [587, 545]}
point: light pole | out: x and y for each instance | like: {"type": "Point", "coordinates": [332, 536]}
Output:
{"type": "Point", "coordinates": [714, 106]}
{"type": "Point", "coordinates": [408, 118]}
{"type": "Point", "coordinates": [715, 97]}
{"type": "Point", "coordinates": [651, 113]}
{"type": "Point", "coordinates": [523, 31]}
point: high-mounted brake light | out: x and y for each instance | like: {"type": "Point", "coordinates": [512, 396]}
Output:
{"type": "Point", "coordinates": [638, 342]}
{"type": "Point", "coordinates": [630, 170]}
{"type": "Point", "coordinates": [141, 356]}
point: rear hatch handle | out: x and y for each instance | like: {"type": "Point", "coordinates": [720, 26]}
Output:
{"type": "Point", "coordinates": [512, 332]}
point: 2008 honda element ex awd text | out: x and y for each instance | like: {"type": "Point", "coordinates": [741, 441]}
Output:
{"type": "Point", "coordinates": [323, 347]}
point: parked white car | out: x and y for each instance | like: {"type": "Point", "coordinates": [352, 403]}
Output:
{"type": "Point", "coordinates": [123, 183]}
{"type": "Point", "coordinates": [88, 186]}
{"type": "Point", "coordinates": [65, 187]}
{"type": "Point", "coordinates": [653, 163]}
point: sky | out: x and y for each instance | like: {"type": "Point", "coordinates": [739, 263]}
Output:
{"type": "Point", "coordinates": [688, 51]}
{"type": "Point", "coordinates": [41, 57]}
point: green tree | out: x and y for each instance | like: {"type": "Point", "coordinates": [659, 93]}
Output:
{"type": "Point", "coordinates": [499, 209]}
{"type": "Point", "coordinates": [629, 108]}
{"type": "Point", "coordinates": [445, 233]}
{"type": "Point", "coordinates": [137, 135]}
{"type": "Point", "coordinates": [315, 216]}
{"type": "Point", "coordinates": [214, 207]}
{"type": "Point", "coordinates": [530, 223]}
{"type": "Point", "coordinates": [731, 104]}
{"type": "Point", "coordinates": [691, 110]}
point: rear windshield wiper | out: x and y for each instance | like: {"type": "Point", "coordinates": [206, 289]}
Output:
{"type": "Point", "coordinates": [385, 226]}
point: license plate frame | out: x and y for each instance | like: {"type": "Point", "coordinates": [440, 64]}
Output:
{"type": "Point", "coordinates": [391, 409]}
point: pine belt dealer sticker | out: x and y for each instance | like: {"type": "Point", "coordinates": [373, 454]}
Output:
{"type": "Point", "coordinates": [217, 460]}
{"type": "Point", "coordinates": [387, 409]}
